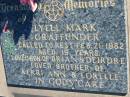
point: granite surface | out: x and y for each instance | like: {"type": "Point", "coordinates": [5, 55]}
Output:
{"type": "Point", "coordinates": [30, 62]}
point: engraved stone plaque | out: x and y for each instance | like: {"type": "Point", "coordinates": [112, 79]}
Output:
{"type": "Point", "coordinates": [72, 45]}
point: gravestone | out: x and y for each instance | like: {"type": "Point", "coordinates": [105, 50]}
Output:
{"type": "Point", "coordinates": [72, 45]}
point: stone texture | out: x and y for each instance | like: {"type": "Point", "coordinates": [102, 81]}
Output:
{"type": "Point", "coordinates": [110, 24]}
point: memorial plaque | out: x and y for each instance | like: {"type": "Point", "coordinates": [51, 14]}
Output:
{"type": "Point", "coordinates": [72, 45]}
